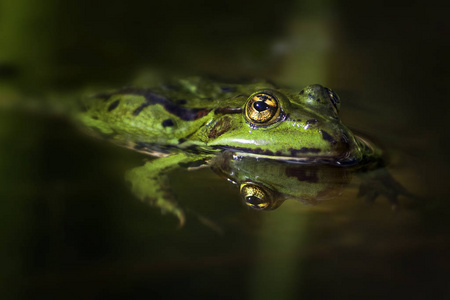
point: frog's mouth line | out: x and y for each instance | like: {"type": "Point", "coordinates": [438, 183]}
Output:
{"type": "Point", "coordinates": [259, 151]}
{"type": "Point", "coordinates": [343, 160]}
{"type": "Point", "coordinates": [307, 160]}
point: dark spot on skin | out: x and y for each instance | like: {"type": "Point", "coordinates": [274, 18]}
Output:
{"type": "Point", "coordinates": [113, 105]}
{"type": "Point", "coordinates": [303, 174]}
{"type": "Point", "coordinates": [95, 118]}
{"type": "Point", "coordinates": [167, 123]}
{"type": "Point", "coordinates": [301, 92]}
{"type": "Point", "coordinates": [220, 127]}
{"type": "Point", "coordinates": [201, 113]}
{"type": "Point", "coordinates": [327, 137]}
{"type": "Point", "coordinates": [228, 110]}
{"type": "Point", "coordinates": [310, 95]}
{"type": "Point", "coordinates": [182, 140]}
{"type": "Point", "coordinates": [245, 150]}
{"type": "Point", "coordinates": [138, 110]}
{"type": "Point", "coordinates": [228, 89]}
{"type": "Point", "coordinates": [312, 122]}
{"type": "Point", "coordinates": [151, 98]}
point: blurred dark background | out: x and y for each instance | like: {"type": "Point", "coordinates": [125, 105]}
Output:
{"type": "Point", "coordinates": [70, 227]}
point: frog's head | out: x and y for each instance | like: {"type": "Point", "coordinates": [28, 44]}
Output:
{"type": "Point", "coordinates": [287, 125]}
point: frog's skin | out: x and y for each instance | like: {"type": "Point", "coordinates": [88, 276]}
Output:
{"type": "Point", "coordinates": [189, 121]}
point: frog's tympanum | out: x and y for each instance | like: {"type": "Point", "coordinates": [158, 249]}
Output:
{"type": "Point", "coordinates": [189, 122]}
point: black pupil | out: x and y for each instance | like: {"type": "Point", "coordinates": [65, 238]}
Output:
{"type": "Point", "coordinates": [253, 200]}
{"type": "Point", "coordinates": [261, 106]}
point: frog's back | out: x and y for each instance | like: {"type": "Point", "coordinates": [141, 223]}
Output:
{"type": "Point", "coordinates": [159, 118]}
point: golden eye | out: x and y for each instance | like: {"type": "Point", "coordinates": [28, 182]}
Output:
{"type": "Point", "coordinates": [262, 108]}
{"type": "Point", "coordinates": [256, 196]}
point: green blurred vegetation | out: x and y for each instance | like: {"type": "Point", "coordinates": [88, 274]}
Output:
{"type": "Point", "coordinates": [68, 43]}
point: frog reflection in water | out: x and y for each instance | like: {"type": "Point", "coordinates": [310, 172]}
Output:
{"type": "Point", "coordinates": [188, 122]}
{"type": "Point", "coordinates": [266, 184]}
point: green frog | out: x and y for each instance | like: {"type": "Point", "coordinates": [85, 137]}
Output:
{"type": "Point", "coordinates": [188, 122]}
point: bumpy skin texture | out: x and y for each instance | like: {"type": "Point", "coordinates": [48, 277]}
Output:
{"type": "Point", "coordinates": [191, 120]}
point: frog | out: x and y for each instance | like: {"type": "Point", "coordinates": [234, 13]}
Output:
{"type": "Point", "coordinates": [187, 122]}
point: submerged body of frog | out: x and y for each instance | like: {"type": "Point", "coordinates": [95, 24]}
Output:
{"type": "Point", "coordinates": [189, 121]}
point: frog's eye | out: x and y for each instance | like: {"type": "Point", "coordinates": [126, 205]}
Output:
{"type": "Point", "coordinates": [256, 196]}
{"type": "Point", "coordinates": [262, 108]}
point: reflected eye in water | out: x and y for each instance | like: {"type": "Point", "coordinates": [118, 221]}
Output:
{"type": "Point", "coordinates": [262, 109]}
{"type": "Point", "coordinates": [258, 197]}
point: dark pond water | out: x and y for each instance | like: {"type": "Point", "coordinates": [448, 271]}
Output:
{"type": "Point", "coordinates": [71, 228]}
